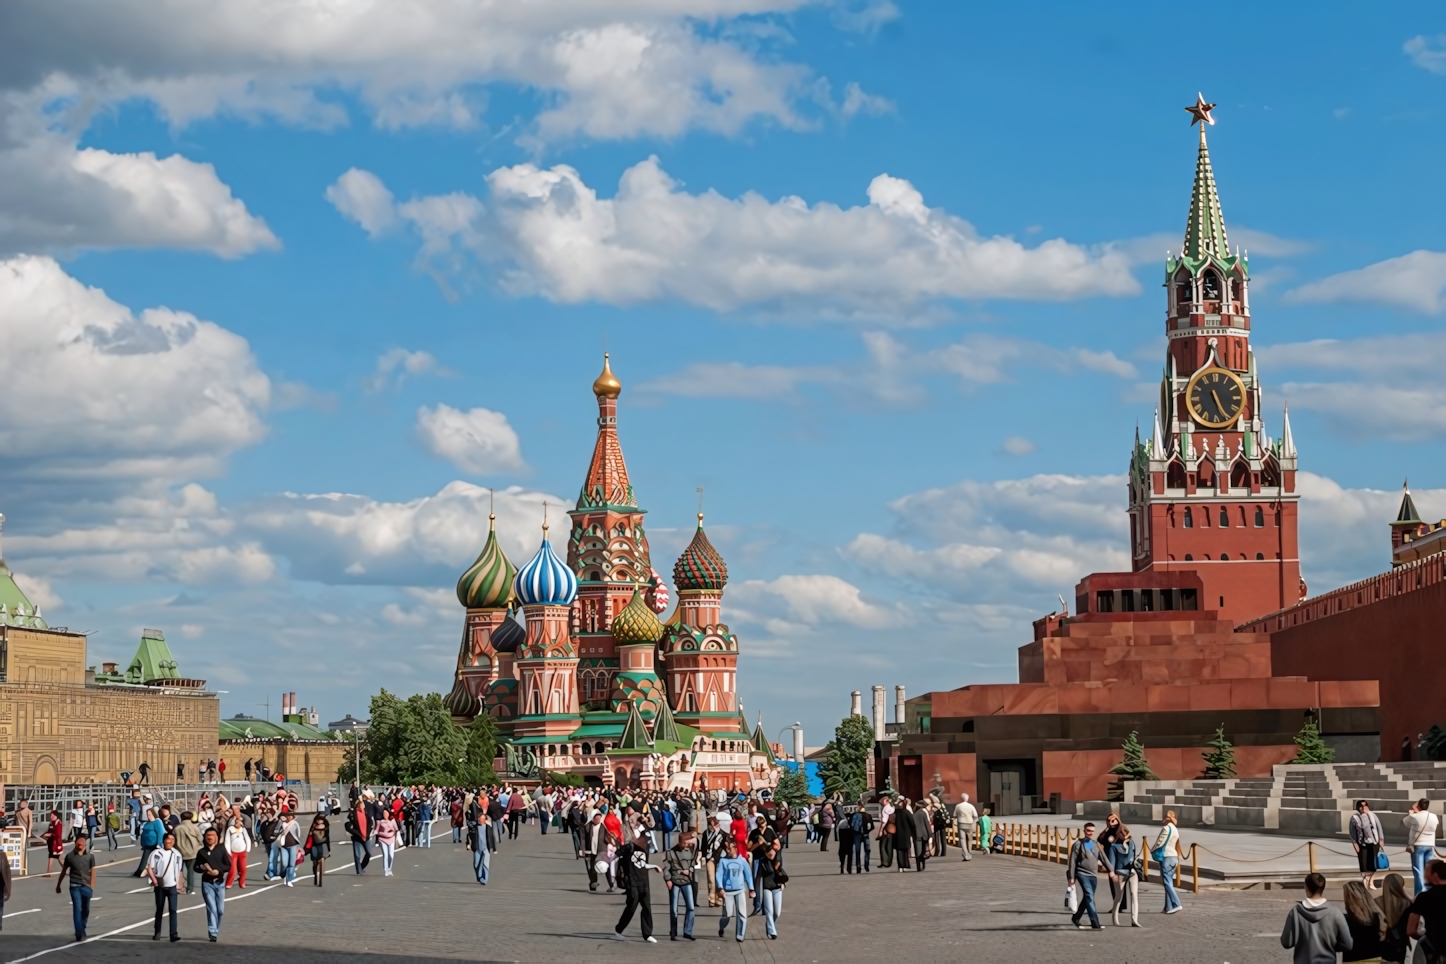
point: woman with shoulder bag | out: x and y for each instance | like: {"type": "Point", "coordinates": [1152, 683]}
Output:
{"type": "Point", "coordinates": [1167, 854]}
{"type": "Point", "coordinates": [318, 848]}
{"type": "Point", "coordinates": [771, 878]}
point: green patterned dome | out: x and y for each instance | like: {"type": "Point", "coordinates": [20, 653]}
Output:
{"type": "Point", "coordinates": [488, 583]}
{"type": "Point", "coordinates": [637, 623]}
{"type": "Point", "coordinates": [700, 566]}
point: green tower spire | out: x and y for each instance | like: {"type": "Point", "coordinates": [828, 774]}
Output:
{"type": "Point", "coordinates": [1205, 228]}
{"type": "Point", "coordinates": [665, 728]}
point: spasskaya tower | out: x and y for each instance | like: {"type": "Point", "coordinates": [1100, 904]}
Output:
{"type": "Point", "coordinates": [1210, 491]}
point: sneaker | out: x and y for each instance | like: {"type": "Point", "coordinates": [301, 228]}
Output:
{"type": "Point", "coordinates": [739, 940]}
{"type": "Point", "coordinates": [1096, 927]}
{"type": "Point", "coordinates": [288, 883]}
{"type": "Point", "coordinates": [175, 937]}
{"type": "Point", "coordinates": [213, 938]}
{"type": "Point", "coordinates": [1135, 923]}
{"type": "Point", "coordinates": [1174, 910]}
{"type": "Point", "coordinates": [651, 939]}
{"type": "Point", "coordinates": [1078, 926]}
{"type": "Point", "coordinates": [618, 937]}
{"type": "Point", "coordinates": [773, 937]}
{"type": "Point", "coordinates": [689, 937]}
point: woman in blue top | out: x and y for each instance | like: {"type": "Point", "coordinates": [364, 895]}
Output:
{"type": "Point", "coordinates": [1122, 855]}
{"type": "Point", "coordinates": [150, 839]}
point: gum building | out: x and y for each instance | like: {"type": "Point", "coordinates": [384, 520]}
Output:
{"type": "Point", "coordinates": [1161, 650]}
{"type": "Point", "coordinates": [63, 723]}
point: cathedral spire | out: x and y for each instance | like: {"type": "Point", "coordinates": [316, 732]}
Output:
{"type": "Point", "coordinates": [607, 475]}
{"type": "Point", "coordinates": [1157, 442]}
{"type": "Point", "coordinates": [1205, 227]}
{"type": "Point", "coordinates": [1408, 514]}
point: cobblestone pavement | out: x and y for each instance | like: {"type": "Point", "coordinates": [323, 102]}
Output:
{"type": "Point", "coordinates": [538, 908]}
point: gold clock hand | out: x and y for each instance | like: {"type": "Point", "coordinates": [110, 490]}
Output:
{"type": "Point", "coordinates": [1220, 407]}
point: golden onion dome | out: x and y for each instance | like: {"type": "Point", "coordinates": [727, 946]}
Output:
{"type": "Point", "coordinates": [607, 384]}
{"type": "Point", "coordinates": [637, 623]}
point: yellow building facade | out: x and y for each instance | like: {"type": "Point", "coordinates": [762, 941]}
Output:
{"type": "Point", "coordinates": [58, 725]}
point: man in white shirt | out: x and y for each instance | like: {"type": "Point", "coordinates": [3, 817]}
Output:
{"type": "Point", "coordinates": [1421, 826]}
{"type": "Point", "coordinates": [965, 819]}
{"type": "Point", "coordinates": [164, 870]}
{"type": "Point", "coordinates": [725, 821]}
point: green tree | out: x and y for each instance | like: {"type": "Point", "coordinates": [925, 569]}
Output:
{"type": "Point", "coordinates": [1132, 767]}
{"type": "Point", "coordinates": [415, 741]}
{"type": "Point", "coordinates": [792, 788]}
{"type": "Point", "coordinates": [1313, 749]}
{"type": "Point", "coordinates": [846, 769]}
{"type": "Point", "coordinates": [1220, 758]}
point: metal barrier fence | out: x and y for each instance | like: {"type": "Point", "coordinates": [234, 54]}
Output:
{"type": "Point", "coordinates": [1043, 842]}
{"type": "Point", "coordinates": [185, 796]}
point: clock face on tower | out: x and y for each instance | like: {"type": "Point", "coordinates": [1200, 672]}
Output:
{"type": "Point", "coordinates": [1215, 397]}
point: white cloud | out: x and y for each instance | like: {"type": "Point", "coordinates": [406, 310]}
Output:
{"type": "Point", "coordinates": [856, 101]}
{"type": "Point", "coordinates": [629, 68]}
{"type": "Point", "coordinates": [361, 196]}
{"type": "Point", "coordinates": [57, 196]}
{"type": "Point", "coordinates": [479, 441]}
{"type": "Point", "coordinates": [793, 604]}
{"type": "Point", "coordinates": [1379, 386]}
{"type": "Point", "coordinates": [736, 380]}
{"type": "Point", "coordinates": [1428, 52]}
{"type": "Point", "coordinates": [549, 234]}
{"type": "Point", "coordinates": [339, 538]}
{"type": "Point", "coordinates": [1413, 281]}
{"type": "Point", "coordinates": [193, 630]}
{"type": "Point", "coordinates": [39, 591]}
{"type": "Point", "coordinates": [245, 564]}
{"type": "Point", "coordinates": [1016, 445]}
{"type": "Point", "coordinates": [90, 391]}
{"type": "Point", "coordinates": [395, 364]}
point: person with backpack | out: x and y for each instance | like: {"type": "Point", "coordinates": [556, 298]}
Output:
{"type": "Point", "coordinates": [770, 880]}
{"type": "Point", "coordinates": [862, 824]}
{"type": "Point", "coordinates": [1315, 928]}
{"type": "Point", "coordinates": [164, 871]}
{"type": "Point", "coordinates": [1086, 857]}
{"type": "Point", "coordinates": [682, 865]}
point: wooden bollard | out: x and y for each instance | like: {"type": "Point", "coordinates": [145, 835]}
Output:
{"type": "Point", "coordinates": [1310, 850]}
{"type": "Point", "coordinates": [1195, 868]}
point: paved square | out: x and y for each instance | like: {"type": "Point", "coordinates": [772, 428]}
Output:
{"type": "Point", "coordinates": [538, 908]}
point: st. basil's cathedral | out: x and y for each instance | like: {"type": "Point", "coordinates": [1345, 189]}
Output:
{"type": "Point", "coordinates": [573, 663]}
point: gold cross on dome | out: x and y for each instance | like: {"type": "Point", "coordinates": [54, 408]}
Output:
{"type": "Point", "coordinates": [1200, 112]}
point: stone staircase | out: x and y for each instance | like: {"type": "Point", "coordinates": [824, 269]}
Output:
{"type": "Point", "coordinates": [1306, 799]}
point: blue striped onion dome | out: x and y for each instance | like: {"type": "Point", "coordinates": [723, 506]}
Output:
{"type": "Point", "coordinates": [546, 580]}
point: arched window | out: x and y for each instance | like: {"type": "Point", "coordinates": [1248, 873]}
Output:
{"type": "Point", "coordinates": [594, 575]}
{"type": "Point", "coordinates": [1189, 558]}
{"type": "Point", "coordinates": [1260, 556]}
{"type": "Point", "coordinates": [1259, 518]}
{"type": "Point", "coordinates": [1240, 476]}
{"type": "Point", "coordinates": [1183, 295]}
{"type": "Point", "coordinates": [587, 749]}
{"type": "Point", "coordinates": [1224, 518]}
{"type": "Point", "coordinates": [1210, 286]}
{"type": "Point", "coordinates": [1224, 557]}
{"type": "Point", "coordinates": [1236, 291]}
{"type": "Point", "coordinates": [1189, 520]}
{"type": "Point", "coordinates": [1175, 476]}
{"type": "Point", "coordinates": [1277, 519]}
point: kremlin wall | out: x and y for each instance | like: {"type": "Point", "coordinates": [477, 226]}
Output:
{"type": "Point", "coordinates": [1212, 627]}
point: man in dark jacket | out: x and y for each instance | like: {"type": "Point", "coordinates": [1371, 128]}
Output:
{"type": "Point", "coordinates": [358, 825]}
{"type": "Point", "coordinates": [212, 862]}
{"type": "Point", "coordinates": [1314, 927]}
{"type": "Point", "coordinates": [633, 868]}
{"type": "Point", "coordinates": [923, 835]}
{"type": "Point", "coordinates": [1086, 857]}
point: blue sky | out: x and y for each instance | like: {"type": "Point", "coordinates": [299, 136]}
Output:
{"type": "Point", "coordinates": [284, 297]}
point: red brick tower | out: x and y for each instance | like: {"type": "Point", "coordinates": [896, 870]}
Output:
{"type": "Point", "coordinates": [700, 653]}
{"type": "Point", "coordinates": [1210, 490]}
{"type": "Point", "coordinates": [608, 549]}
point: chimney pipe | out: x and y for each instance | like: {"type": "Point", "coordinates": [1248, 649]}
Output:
{"type": "Point", "coordinates": [899, 706]}
{"type": "Point", "coordinates": [798, 743]}
{"type": "Point", "coordinates": [856, 703]}
{"type": "Point", "coordinates": [878, 712]}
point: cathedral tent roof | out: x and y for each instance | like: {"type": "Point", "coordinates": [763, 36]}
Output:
{"type": "Point", "coordinates": [635, 738]}
{"type": "Point", "coordinates": [700, 566]}
{"type": "Point", "coordinates": [1408, 511]}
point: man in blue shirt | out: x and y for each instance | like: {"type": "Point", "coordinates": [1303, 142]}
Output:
{"type": "Point", "coordinates": [734, 879]}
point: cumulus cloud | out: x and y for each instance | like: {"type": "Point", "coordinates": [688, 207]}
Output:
{"type": "Point", "coordinates": [479, 441]}
{"type": "Point", "coordinates": [90, 390]}
{"type": "Point", "coordinates": [793, 604]}
{"type": "Point", "coordinates": [1382, 385]}
{"type": "Point", "coordinates": [548, 233]}
{"type": "Point", "coordinates": [39, 591]}
{"type": "Point", "coordinates": [1009, 540]}
{"type": "Point", "coordinates": [395, 365]}
{"type": "Point", "coordinates": [1017, 445]}
{"type": "Point", "coordinates": [1413, 281]}
{"type": "Point", "coordinates": [622, 69]}
{"type": "Point", "coordinates": [361, 196]}
{"type": "Point", "coordinates": [1428, 52]}
{"type": "Point", "coordinates": [340, 538]}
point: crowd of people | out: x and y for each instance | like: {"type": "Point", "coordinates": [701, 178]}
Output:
{"type": "Point", "coordinates": [727, 849]}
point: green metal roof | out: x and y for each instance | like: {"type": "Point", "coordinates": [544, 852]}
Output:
{"type": "Point", "coordinates": [248, 728]}
{"type": "Point", "coordinates": [635, 734]}
{"type": "Point", "coordinates": [153, 659]}
{"type": "Point", "coordinates": [591, 730]}
{"type": "Point", "coordinates": [665, 728]}
{"type": "Point", "coordinates": [1205, 226]}
{"type": "Point", "coordinates": [15, 607]}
